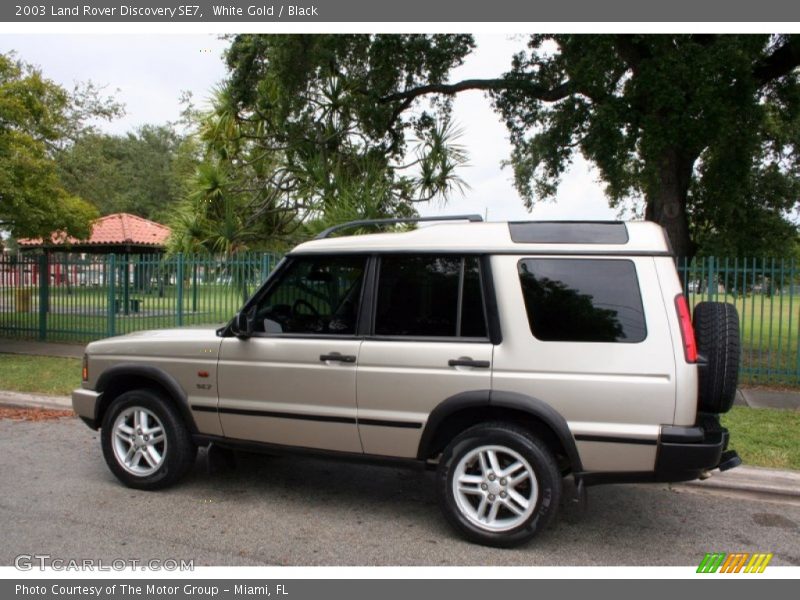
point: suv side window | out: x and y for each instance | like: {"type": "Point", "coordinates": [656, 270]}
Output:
{"type": "Point", "coordinates": [582, 300]}
{"type": "Point", "coordinates": [430, 296]}
{"type": "Point", "coordinates": [315, 295]}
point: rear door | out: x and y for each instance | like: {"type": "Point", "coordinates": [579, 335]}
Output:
{"type": "Point", "coordinates": [590, 337]}
{"type": "Point", "coordinates": [428, 341]}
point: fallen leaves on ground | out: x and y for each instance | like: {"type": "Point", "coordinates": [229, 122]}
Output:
{"type": "Point", "coordinates": [34, 414]}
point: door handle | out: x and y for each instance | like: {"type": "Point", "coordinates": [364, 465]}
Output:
{"type": "Point", "coordinates": [345, 358]}
{"type": "Point", "coordinates": [468, 362]}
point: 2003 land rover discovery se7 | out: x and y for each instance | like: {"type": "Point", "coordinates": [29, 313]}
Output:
{"type": "Point", "coordinates": [505, 355]}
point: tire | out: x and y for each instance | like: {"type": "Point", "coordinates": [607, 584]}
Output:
{"type": "Point", "coordinates": [473, 514]}
{"type": "Point", "coordinates": [155, 459]}
{"type": "Point", "coordinates": [716, 327]}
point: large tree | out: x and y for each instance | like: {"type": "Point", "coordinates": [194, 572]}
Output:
{"type": "Point", "coordinates": [142, 172]}
{"type": "Point", "coordinates": [304, 124]}
{"type": "Point", "coordinates": [701, 128]}
{"type": "Point", "coordinates": [38, 119]}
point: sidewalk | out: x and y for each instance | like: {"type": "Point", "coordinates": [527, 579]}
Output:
{"type": "Point", "coordinates": [41, 348]}
{"type": "Point", "coordinates": [757, 480]}
{"type": "Point", "coordinates": [26, 400]}
{"type": "Point", "coordinates": [766, 398]}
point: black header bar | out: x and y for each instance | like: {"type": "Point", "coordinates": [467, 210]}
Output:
{"type": "Point", "coordinates": [439, 11]}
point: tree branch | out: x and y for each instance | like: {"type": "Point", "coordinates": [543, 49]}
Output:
{"type": "Point", "coordinates": [631, 51]}
{"type": "Point", "coordinates": [704, 39]}
{"type": "Point", "coordinates": [506, 83]}
{"type": "Point", "coordinates": [781, 62]}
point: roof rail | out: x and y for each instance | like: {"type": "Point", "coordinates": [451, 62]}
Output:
{"type": "Point", "coordinates": [350, 224]}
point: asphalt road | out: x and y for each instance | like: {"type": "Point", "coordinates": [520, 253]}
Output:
{"type": "Point", "coordinates": [57, 497]}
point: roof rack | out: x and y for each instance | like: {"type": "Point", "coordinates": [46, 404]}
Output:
{"type": "Point", "coordinates": [350, 224]}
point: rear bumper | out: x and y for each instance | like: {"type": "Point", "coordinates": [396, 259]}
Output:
{"type": "Point", "coordinates": [683, 454]}
{"type": "Point", "coordinates": [84, 403]}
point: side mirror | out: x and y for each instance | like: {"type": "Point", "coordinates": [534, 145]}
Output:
{"type": "Point", "coordinates": [244, 323]}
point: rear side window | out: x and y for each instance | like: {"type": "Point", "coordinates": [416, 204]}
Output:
{"type": "Point", "coordinates": [582, 300]}
{"type": "Point", "coordinates": [430, 296]}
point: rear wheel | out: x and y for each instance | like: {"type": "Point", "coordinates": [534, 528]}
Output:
{"type": "Point", "coordinates": [145, 442]}
{"type": "Point", "coordinates": [498, 485]}
{"type": "Point", "coordinates": [716, 326]}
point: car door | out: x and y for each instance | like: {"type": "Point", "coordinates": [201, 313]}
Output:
{"type": "Point", "coordinates": [428, 341]}
{"type": "Point", "coordinates": [589, 336]}
{"type": "Point", "coordinates": [294, 381]}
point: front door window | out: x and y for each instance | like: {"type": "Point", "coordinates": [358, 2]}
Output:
{"type": "Point", "coordinates": [315, 295]}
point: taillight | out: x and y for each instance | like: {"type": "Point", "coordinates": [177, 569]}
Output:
{"type": "Point", "coordinates": [687, 331]}
{"type": "Point", "coordinates": [85, 369]}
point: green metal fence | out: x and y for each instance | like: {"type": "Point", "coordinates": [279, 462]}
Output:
{"type": "Point", "coordinates": [72, 298]}
{"type": "Point", "coordinates": [766, 293]}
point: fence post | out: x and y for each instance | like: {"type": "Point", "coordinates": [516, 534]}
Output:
{"type": "Point", "coordinates": [111, 300]}
{"type": "Point", "coordinates": [194, 283]}
{"type": "Point", "coordinates": [264, 267]}
{"type": "Point", "coordinates": [44, 295]}
{"type": "Point", "coordinates": [126, 284]}
{"type": "Point", "coordinates": [710, 278]}
{"type": "Point", "coordinates": [179, 295]}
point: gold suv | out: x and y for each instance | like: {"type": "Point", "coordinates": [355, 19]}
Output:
{"type": "Point", "coordinates": [507, 356]}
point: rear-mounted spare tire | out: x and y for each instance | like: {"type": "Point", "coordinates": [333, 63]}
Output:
{"type": "Point", "coordinates": [716, 327]}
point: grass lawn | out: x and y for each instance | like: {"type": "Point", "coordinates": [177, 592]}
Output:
{"type": "Point", "coordinates": [39, 374]}
{"type": "Point", "coordinates": [765, 437]}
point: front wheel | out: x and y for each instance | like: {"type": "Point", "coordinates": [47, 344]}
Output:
{"type": "Point", "coordinates": [498, 484]}
{"type": "Point", "coordinates": [145, 442]}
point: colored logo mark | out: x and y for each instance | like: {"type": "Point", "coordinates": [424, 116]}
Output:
{"type": "Point", "coordinates": [738, 562]}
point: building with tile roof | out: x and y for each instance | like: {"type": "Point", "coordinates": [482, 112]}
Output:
{"type": "Point", "coordinates": [120, 233]}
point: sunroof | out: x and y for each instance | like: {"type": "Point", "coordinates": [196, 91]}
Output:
{"type": "Point", "coordinates": [568, 232]}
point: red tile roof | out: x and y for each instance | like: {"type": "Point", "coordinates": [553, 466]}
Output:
{"type": "Point", "coordinates": [120, 229]}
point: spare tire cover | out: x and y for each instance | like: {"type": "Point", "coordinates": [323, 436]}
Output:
{"type": "Point", "coordinates": [716, 327]}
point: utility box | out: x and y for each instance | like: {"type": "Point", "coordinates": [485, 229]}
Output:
{"type": "Point", "coordinates": [23, 300]}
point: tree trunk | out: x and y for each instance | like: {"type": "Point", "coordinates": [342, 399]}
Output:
{"type": "Point", "coordinates": [666, 200]}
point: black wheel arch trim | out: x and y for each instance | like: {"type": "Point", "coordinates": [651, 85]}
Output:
{"type": "Point", "coordinates": [501, 399]}
{"type": "Point", "coordinates": [153, 374]}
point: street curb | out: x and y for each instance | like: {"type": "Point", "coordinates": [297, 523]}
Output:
{"type": "Point", "coordinates": [752, 479]}
{"type": "Point", "coordinates": [25, 400]}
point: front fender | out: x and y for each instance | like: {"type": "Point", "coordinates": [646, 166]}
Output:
{"type": "Point", "coordinates": [144, 373]}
